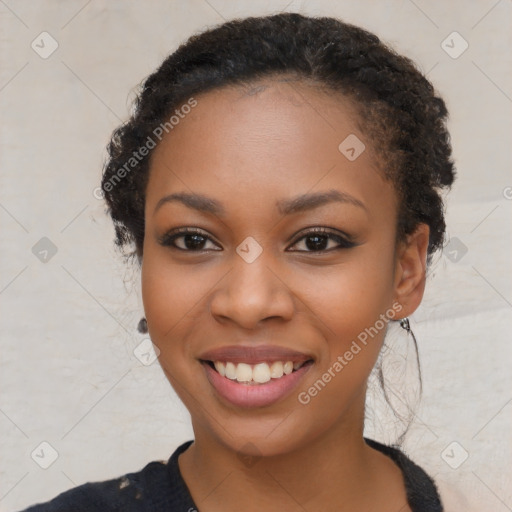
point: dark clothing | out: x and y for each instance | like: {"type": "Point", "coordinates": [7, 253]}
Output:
{"type": "Point", "coordinates": [159, 487]}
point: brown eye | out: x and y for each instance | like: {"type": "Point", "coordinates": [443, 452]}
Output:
{"type": "Point", "coordinates": [193, 240]}
{"type": "Point", "coordinates": [317, 240]}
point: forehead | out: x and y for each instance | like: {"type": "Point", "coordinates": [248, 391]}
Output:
{"type": "Point", "coordinates": [268, 139]}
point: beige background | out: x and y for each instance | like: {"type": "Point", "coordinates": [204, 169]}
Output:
{"type": "Point", "coordinates": [69, 376]}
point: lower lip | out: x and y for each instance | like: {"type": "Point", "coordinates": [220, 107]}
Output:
{"type": "Point", "coordinates": [259, 395]}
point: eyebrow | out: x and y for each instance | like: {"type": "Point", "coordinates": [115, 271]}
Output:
{"type": "Point", "coordinates": [290, 206]}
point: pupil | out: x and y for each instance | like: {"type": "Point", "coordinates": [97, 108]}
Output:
{"type": "Point", "coordinates": [317, 245]}
{"type": "Point", "coordinates": [198, 241]}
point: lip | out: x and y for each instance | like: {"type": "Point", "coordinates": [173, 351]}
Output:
{"type": "Point", "coordinates": [259, 395]}
{"type": "Point", "coordinates": [254, 354]}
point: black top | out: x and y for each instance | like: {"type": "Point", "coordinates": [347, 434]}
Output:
{"type": "Point", "coordinates": [159, 487]}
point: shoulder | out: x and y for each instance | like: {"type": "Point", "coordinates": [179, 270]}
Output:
{"type": "Point", "coordinates": [132, 492]}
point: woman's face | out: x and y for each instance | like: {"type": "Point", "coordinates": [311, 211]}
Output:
{"type": "Point", "coordinates": [256, 173]}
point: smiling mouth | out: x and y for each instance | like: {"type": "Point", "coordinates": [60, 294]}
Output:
{"type": "Point", "coordinates": [257, 374]}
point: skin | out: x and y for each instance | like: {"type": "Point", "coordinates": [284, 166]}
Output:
{"type": "Point", "coordinates": [247, 149]}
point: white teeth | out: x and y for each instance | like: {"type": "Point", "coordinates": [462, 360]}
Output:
{"type": "Point", "coordinates": [230, 371]}
{"type": "Point", "coordinates": [220, 367]}
{"type": "Point", "coordinates": [276, 370]}
{"type": "Point", "coordinates": [259, 373]}
{"type": "Point", "coordinates": [243, 372]}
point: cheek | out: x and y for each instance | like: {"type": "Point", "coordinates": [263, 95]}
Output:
{"type": "Point", "coordinates": [352, 304]}
{"type": "Point", "coordinates": [171, 302]}
{"type": "Point", "coordinates": [169, 295]}
{"type": "Point", "coordinates": [352, 296]}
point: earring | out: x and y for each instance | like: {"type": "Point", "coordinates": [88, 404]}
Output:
{"type": "Point", "coordinates": [142, 327]}
{"type": "Point", "coordinates": [404, 324]}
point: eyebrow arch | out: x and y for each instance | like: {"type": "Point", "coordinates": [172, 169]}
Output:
{"type": "Point", "coordinates": [314, 200]}
{"type": "Point", "coordinates": [290, 206]}
{"type": "Point", "coordinates": [195, 201]}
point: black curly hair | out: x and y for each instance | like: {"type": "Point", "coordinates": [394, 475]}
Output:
{"type": "Point", "coordinates": [398, 109]}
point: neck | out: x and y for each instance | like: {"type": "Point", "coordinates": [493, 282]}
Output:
{"type": "Point", "coordinates": [335, 471]}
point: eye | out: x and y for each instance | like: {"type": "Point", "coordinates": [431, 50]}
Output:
{"type": "Point", "coordinates": [317, 240]}
{"type": "Point", "coordinates": [193, 240]}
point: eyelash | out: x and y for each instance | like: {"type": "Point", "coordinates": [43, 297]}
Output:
{"type": "Point", "coordinates": [168, 239]}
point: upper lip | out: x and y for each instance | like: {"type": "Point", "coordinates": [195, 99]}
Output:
{"type": "Point", "coordinates": [253, 354]}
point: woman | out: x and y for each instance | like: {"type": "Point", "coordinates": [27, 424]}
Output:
{"type": "Point", "coordinates": [280, 182]}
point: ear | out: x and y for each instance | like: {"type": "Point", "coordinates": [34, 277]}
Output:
{"type": "Point", "coordinates": [410, 270]}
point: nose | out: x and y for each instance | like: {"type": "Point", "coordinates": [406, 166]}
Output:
{"type": "Point", "coordinates": [251, 293]}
